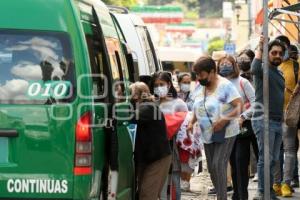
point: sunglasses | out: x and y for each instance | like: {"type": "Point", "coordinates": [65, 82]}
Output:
{"type": "Point", "coordinates": [275, 53]}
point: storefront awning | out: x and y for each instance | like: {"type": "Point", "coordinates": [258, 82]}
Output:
{"type": "Point", "coordinates": [290, 10]}
{"type": "Point", "coordinates": [260, 15]}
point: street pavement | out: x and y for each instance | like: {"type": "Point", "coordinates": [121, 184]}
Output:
{"type": "Point", "coordinates": [201, 182]}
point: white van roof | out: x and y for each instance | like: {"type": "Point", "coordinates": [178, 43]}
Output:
{"type": "Point", "coordinates": [133, 40]}
{"type": "Point", "coordinates": [136, 20]}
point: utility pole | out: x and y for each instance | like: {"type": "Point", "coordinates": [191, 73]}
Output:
{"type": "Point", "coordinates": [266, 103]}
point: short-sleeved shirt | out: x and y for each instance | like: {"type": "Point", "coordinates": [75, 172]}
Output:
{"type": "Point", "coordinates": [217, 104]}
{"type": "Point", "coordinates": [193, 95]}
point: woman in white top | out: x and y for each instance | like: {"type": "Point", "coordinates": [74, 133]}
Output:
{"type": "Point", "coordinates": [240, 156]}
{"type": "Point", "coordinates": [169, 104]}
{"type": "Point", "coordinates": [216, 109]}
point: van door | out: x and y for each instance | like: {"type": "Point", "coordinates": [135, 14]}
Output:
{"type": "Point", "coordinates": [37, 126]}
{"type": "Point", "coordinates": [118, 88]}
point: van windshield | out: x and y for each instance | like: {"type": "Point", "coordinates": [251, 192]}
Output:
{"type": "Point", "coordinates": [35, 67]}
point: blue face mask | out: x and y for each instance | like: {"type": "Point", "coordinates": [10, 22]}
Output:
{"type": "Point", "coordinates": [226, 70]}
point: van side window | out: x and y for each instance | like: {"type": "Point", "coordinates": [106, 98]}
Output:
{"type": "Point", "coordinates": [97, 64]}
{"type": "Point", "coordinates": [146, 44]}
{"type": "Point", "coordinates": [36, 68]}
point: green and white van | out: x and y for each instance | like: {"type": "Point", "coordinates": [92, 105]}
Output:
{"type": "Point", "coordinates": [63, 76]}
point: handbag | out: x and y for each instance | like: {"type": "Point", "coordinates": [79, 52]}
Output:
{"type": "Point", "coordinates": [292, 113]}
{"type": "Point", "coordinates": [246, 129]}
{"type": "Point", "coordinates": [217, 136]}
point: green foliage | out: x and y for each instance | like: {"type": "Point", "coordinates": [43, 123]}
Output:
{"type": "Point", "coordinates": [191, 15]}
{"type": "Point", "coordinates": [125, 3]}
{"type": "Point", "coordinates": [215, 44]}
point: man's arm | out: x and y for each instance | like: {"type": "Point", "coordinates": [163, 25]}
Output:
{"type": "Point", "coordinates": [256, 66]}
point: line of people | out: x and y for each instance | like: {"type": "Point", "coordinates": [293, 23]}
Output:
{"type": "Point", "coordinates": [224, 114]}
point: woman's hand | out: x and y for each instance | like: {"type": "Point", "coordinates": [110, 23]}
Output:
{"type": "Point", "coordinates": [190, 126]}
{"type": "Point", "coordinates": [189, 129]}
{"type": "Point", "coordinates": [241, 121]}
{"type": "Point", "coordinates": [219, 125]}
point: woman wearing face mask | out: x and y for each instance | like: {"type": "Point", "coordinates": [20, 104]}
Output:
{"type": "Point", "coordinates": [189, 146]}
{"type": "Point", "coordinates": [240, 156]}
{"type": "Point", "coordinates": [152, 150]}
{"type": "Point", "coordinates": [169, 104]}
{"type": "Point", "coordinates": [184, 81]}
{"type": "Point", "coordinates": [244, 61]}
{"type": "Point", "coordinates": [216, 108]}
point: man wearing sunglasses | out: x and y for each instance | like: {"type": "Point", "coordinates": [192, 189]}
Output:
{"type": "Point", "coordinates": [276, 95]}
{"type": "Point", "coordinates": [290, 70]}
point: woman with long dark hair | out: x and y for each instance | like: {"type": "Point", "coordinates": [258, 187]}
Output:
{"type": "Point", "coordinates": [170, 104]}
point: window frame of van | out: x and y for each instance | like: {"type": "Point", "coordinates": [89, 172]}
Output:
{"type": "Point", "coordinates": [67, 48]}
{"type": "Point", "coordinates": [150, 51]}
{"type": "Point", "coordinates": [119, 57]}
{"type": "Point", "coordinates": [133, 77]}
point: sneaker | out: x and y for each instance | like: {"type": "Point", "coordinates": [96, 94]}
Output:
{"type": "Point", "coordinates": [212, 191]}
{"type": "Point", "coordinates": [185, 186]}
{"type": "Point", "coordinates": [286, 190]}
{"type": "Point", "coordinates": [255, 179]}
{"type": "Point", "coordinates": [277, 189]}
{"type": "Point", "coordinates": [295, 184]}
{"type": "Point", "coordinates": [258, 196]}
{"type": "Point", "coordinates": [229, 189]}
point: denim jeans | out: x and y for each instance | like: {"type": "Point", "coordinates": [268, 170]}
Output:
{"type": "Point", "coordinates": [176, 184]}
{"type": "Point", "coordinates": [275, 140]}
{"type": "Point", "coordinates": [290, 152]}
{"type": "Point", "coordinates": [175, 178]}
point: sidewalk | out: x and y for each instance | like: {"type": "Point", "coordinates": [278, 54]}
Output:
{"type": "Point", "coordinates": [201, 183]}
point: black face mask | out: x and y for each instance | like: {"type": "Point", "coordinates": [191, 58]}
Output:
{"type": "Point", "coordinates": [204, 82]}
{"type": "Point", "coordinates": [245, 65]}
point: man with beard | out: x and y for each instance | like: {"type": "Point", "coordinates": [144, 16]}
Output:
{"type": "Point", "coordinates": [276, 95]}
{"type": "Point", "coordinates": [290, 70]}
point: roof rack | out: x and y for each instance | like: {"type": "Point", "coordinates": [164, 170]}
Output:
{"type": "Point", "coordinates": [118, 9]}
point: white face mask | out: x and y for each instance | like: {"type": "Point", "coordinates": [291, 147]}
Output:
{"type": "Point", "coordinates": [185, 87]}
{"type": "Point", "coordinates": [161, 91]}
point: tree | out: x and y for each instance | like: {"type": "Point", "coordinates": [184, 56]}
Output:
{"type": "Point", "coordinates": [125, 3]}
{"type": "Point", "coordinates": [215, 44]}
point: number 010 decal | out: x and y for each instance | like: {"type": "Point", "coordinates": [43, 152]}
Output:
{"type": "Point", "coordinates": [44, 90]}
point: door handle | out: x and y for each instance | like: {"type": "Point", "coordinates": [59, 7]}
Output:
{"type": "Point", "coordinates": [8, 133]}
